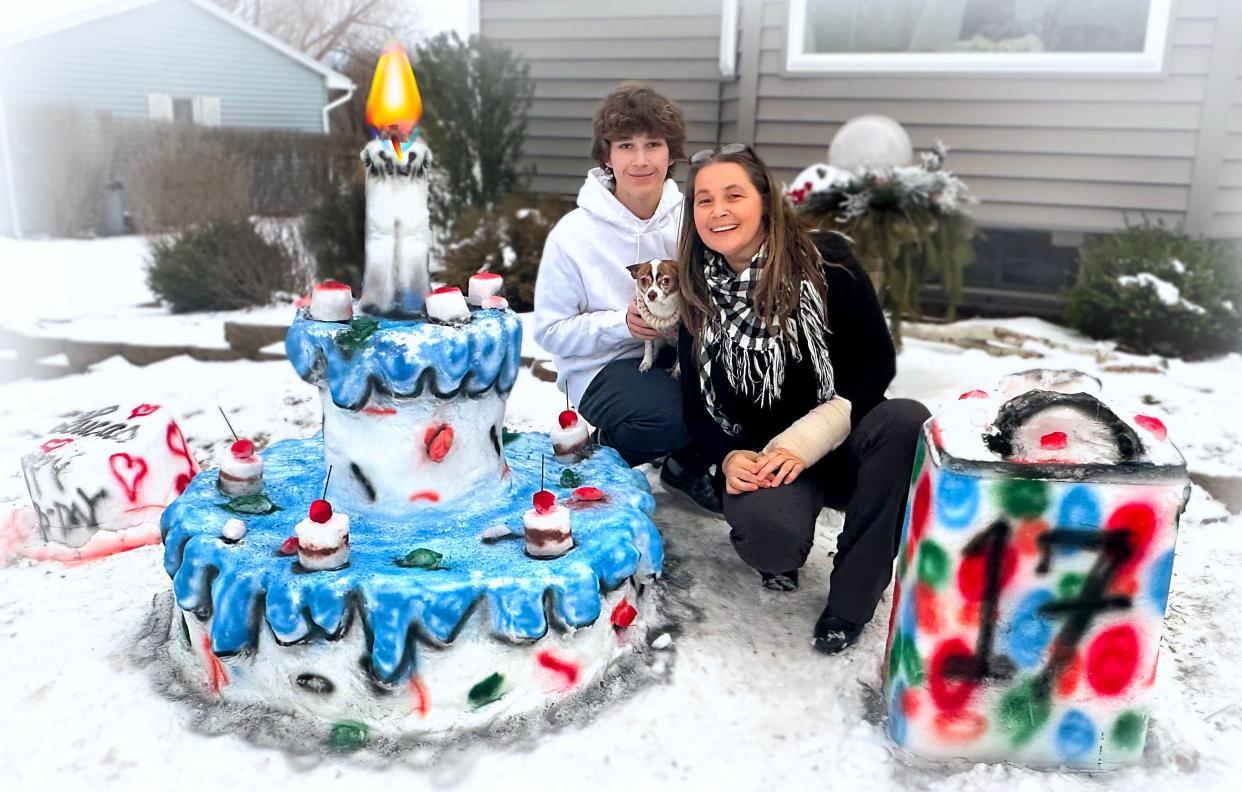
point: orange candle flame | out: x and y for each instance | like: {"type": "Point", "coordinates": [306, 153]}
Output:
{"type": "Point", "coordinates": [394, 106]}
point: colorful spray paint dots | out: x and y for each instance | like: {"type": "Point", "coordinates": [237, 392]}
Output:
{"type": "Point", "coordinates": [957, 500]}
{"type": "Point", "coordinates": [1026, 617]}
{"type": "Point", "coordinates": [1076, 736]}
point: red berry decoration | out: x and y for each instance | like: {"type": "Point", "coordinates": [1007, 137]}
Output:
{"type": "Point", "coordinates": [1054, 441]}
{"type": "Point", "coordinates": [289, 546]}
{"type": "Point", "coordinates": [242, 448]}
{"type": "Point", "coordinates": [589, 494]}
{"type": "Point", "coordinates": [544, 502]}
{"type": "Point", "coordinates": [1153, 425]}
{"type": "Point", "coordinates": [974, 394]}
{"type": "Point", "coordinates": [320, 511]}
{"type": "Point", "coordinates": [567, 418]}
{"type": "Point", "coordinates": [624, 614]}
{"type": "Point", "coordinates": [439, 441]}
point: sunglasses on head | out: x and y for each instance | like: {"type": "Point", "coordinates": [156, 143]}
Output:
{"type": "Point", "coordinates": [727, 149]}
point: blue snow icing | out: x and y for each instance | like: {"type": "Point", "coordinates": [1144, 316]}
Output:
{"type": "Point", "coordinates": [1029, 632]}
{"type": "Point", "coordinates": [1076, 736]}
{"type": "Point", "coordinates": [248, 583]}
{"type": "Point", "coordinates": [1158, 581]}
{"type": "Point", "coordinates": [404, 355]}
{"type": "Point", "coordinates": [957, 499]}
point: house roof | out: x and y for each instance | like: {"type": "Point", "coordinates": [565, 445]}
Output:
{"type": "Point", "coordinates": [333, 79]}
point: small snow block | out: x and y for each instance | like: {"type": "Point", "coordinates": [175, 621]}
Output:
{"type": "Point", "coordinates": [495, 533]}
{"type": "Point", "coordinates": [105, 471]}
{"type": "Point", "coordinates": [332, 301]}
{"type": "Point", "coordinates": [483, 285]}
{"type": "Point", "coordinates": [664, 641]}
{"type": "Point", "coordinates": [489, 690]}
{"type": "Point", "coordinates": [589, 494]}
{"type": "Point", "coordinates": [289, 546]}
{"type": "Point", "coordinates": [623, 614]}
{"type": "Point", "coordinates": [421, 558]}
{"type": "Point", "coordinates": [355, 338]}
{"type": "Point", "coordinates": [447, 304]}
{"type": "Point", "coordinates": [496, 302]}
{"type": "Point", "coordinates": [347, 736]}
{"type": "Point", "coordinates": [570, 479]}
{"type": "Point", "coordinates": [252, 504]}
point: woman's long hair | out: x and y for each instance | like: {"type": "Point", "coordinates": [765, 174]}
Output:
{"type": "Point", "coordinates": [791, 253]}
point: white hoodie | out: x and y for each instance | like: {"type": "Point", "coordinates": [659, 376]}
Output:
{"type": "Point", "coordinates": [584, 288]}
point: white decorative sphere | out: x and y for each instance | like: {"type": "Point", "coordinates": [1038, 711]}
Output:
{"type": "Point", "coordinates": [870, 142]}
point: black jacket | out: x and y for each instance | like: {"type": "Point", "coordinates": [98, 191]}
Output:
{"type": "Point", "coordinates": [864, 362]}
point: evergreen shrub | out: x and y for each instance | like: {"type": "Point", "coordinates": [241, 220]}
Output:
{"type": "Point", "coordinates": [1158, 290]}
{"type": "Point", "coordinates": [222, 266]}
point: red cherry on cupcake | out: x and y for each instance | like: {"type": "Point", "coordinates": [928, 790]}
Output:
{"type": "Point", "coordinates": [320, 511]}
{"type": "Point", "coordinates": [544, 502]}
{"type": "Point", "coordinates": [567, 418]}
{"type": "Point", "coordinates": [242, 448]}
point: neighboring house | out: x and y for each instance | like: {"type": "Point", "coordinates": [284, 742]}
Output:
{"type": "Point", "coordinates": [163, 60]}
{"type": "Point", "coordinates": [1139, 116]}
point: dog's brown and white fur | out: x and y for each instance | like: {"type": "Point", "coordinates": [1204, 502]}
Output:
{"type": "Point", "coordinates": [658, 297]}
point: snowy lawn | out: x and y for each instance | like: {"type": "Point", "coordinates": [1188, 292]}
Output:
{"type": "Point", "coordinates": [747, 704]}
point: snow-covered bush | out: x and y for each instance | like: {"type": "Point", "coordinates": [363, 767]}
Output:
{"type": "Point", "coordinates": [1155, 289]}
{"type": "Point", "coordinates": [222, 266]}
{"type": "Point", "coordinates": [335, 234]}
{"type": "Point", "coordinates": [507, 240]}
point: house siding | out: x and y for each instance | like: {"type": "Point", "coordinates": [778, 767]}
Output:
{"type": "Point", "coordinates": [578, 52]}
{"type": "Point", "coordinates": [1077, 152]}
{"type": "Point", "coordinates": [172, 47]}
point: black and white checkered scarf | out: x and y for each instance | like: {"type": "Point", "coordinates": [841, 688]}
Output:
{"type": "Point", "coordinates": [753, 355]}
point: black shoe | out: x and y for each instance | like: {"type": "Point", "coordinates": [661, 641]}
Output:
{"type": "Point", "coordinates": [781, 581]}
{"type": "Point", "coordinates": [833, 634]}
{"type": "Point", "coordinates": [697, 488]}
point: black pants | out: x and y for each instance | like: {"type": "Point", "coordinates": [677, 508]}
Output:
{"type": "Point", "coordinates": [869, 477]}
{"type": "Point", "coordinates": [639, 412]}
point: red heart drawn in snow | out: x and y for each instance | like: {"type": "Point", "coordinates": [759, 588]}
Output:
{"type": "Point", "coordinates": [143, 409]}
{"type": "Point", "coordinates": [129, 471]}
{"type": "Point", "coordinates": [52, 445]}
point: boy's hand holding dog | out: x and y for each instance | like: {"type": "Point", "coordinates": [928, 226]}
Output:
{"type": "Point", "coordinates": [638, 326]}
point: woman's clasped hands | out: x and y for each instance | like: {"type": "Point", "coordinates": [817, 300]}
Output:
{"type": "Point", "coordinates": [747, 471]}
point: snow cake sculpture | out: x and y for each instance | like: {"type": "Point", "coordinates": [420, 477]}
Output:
{"type": "Point", "coordinates": [100, 480]}
{"type": "Point", "coordinates": [1033, 575]}
{"type": "Point", "coordinates": [383, 580]}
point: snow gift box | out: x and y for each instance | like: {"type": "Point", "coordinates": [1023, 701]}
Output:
{"type": "Point", "coordinates": [1032, 577]}
{"type": "Point", "coordinates": [100, 480]}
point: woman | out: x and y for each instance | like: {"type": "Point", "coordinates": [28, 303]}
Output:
{"type": "Point", "coordinates": [628, 210]}
{"type": "Point", "coordinates": [786, 356]}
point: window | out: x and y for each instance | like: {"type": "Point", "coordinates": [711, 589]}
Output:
{"type": "Point", "coordinates": [183, 109]}
{"type": "Point", "coordinates": [977, 35]}
{"type": "Point", "coordinates": [203, 110]}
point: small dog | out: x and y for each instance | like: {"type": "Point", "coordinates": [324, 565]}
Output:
{"type": "Point", "coordinates": [659, 303]}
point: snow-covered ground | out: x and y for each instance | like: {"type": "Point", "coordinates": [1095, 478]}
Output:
{"type": "Point", "coordinates": [747, 703]}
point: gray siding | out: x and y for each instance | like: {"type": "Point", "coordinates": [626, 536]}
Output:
{"type": "Point", "coordinates": [1079, 152]}
{"type": "Point", "coordinates": [170, 47]}
{"type": "Point", "coordinates": [578, 51]}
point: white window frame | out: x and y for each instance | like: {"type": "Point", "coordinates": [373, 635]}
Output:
{"type": "Point", "coordinates": [1149, 61]}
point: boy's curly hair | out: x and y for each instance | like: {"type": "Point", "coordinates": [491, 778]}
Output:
{"type": "Point", "coordinates": [634, 108]}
